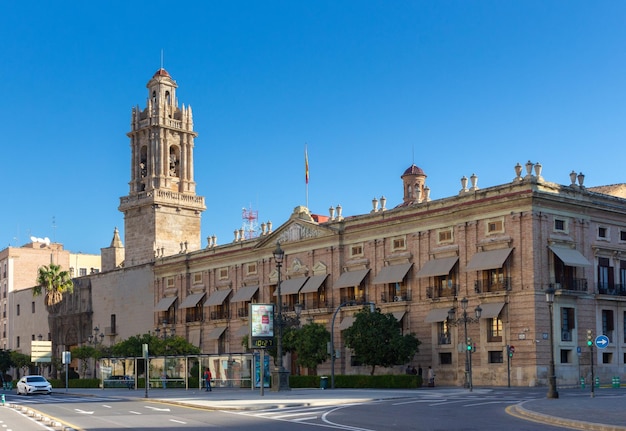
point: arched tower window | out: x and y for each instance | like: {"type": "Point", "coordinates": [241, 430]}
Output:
{"type": "Point", "coordinates": [174, 170]}
{"type": "Point", "coordinates": [167, 98]}
{"type": "Point", "coordinates": [154, 99]}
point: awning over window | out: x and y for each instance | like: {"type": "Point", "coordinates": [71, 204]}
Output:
{"type": "Point", "coordinates": [488, 259]}
{"type": "Point", "coordinates": [217, 297]}
{"type": "Point", "coordinates": [216, 333]}
{"type": "Point", "coordinates": [165, 303]}
{"type": "Point", "coordinates": [437, 267]}
{"type": "Point", "coordinates": [194, 336]}
{"type": "Point", "coordinates": [351, 278]}
{"type": "Point", "coordinates": [570, 257]}
{"type": "Point", "coordinates": [291, 286]}
{"type": "Point", "coordinates": [244, 294]}
{"type": "Point", "coordinates": [313, 283]}
{"type": "Point", "coordinates": [392, 273]}
{"type": "Point", "coordinates": [346, 322]}
{"type": "Point", "coordinates": [399, 315]}
{"type": "Point", "coordinates": [192, 300]}
{"type": "Point", "coordinates": [437, 315]}
{"type": "Point", "coordinates": [492, 310]}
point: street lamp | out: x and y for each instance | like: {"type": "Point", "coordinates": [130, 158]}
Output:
{"type": "Point", "coordinates": [552, 392]}
{"type": "Point", "coordinates": [332, 338]}
{"type": "Point", "coordinates": [465, 319]}
{"type": "Point", "coordinates": [95, 339]}
{"type": "Point", "coordinates": [280, 381]}
{"type": "Point", "coordinates": [172, 330]}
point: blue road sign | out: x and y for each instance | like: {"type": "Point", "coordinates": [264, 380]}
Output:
{"type": "Point", "coordinates": [602, 341]}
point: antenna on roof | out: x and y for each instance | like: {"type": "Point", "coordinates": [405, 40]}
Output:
{"type": "Point", "coordinates": [413, 155]}
{"type": "Point", "coordinates": [161, 58]}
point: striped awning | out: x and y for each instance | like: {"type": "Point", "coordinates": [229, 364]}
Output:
{"type": "Point", "coordinates": [488, 259]}
{"type": "Point", "coordinates": [192, 300]}
{"type": "Point", "coordinates": [244, 294]}
{"type": "Point", "coordinates": [313, 283]}
{"type": "Point", "coordinates": [218, 297]}
{"type": "Point", "coordinates": [165, 303]}
{"type": "Point", "coordinates": [351, 278]}
{"type": "Point", "coordinates": [438, 267]}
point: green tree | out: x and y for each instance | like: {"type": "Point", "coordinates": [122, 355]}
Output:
{"type": "Point", "coordinates": [5, 362]}
{"type": "Point", "coordinates": [20, 361]}
{"type": "Point", "coordinates": [53, 283]}
{"type": "Point", "coordinates": [132, 346]}
{"type": "Point", "coordinates": [376, 340]}
{"type": "Point", "coordinates": [83, 354]}
{"type": "Point", "coordinates": [309, 343]}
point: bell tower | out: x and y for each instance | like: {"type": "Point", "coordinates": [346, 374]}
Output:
{"type": "Point", "coordinates": [161, 211]}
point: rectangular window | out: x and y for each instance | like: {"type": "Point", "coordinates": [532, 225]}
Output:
{"type": "Point", "coordinates": [567, 323]}
{"type": "Point", "coordinates": [197, 278]}
{"type": "Point", "coordinates": [445, 358]}
{"type": "Point", "coordinates": [624, 331]}
{"type": "Point", "coordinates": [607, 357]}
{"type": "Point", "coordinates": [32, 305]}
{"type": "Point", "coordinates": [18, 309]}
{"type": "Point", "coordinates": [113, 324]}
{"type": "Point", "coordinates": [82, 272]}
{"type": "Point", "coordinates": [443, 332]}
{"type": "Point", "coordinates": [445, 235]}
{"type": "Point", "coordinates": [251, 268]}
{"type": "Point", "coordinates": [559, 225]}
{"type": "Point", "coordinates": [566, 355]}
{"type": "Point", "coordinates": [170, 282]}
{"type": "Point", "coordinates": [603, 232]}
{"type": "Point", "coordinates": [398, 244]}
{"type": "Point", "coordinates": [605, 276]}
{"type": "Point", "coordinates": [496, 357]}
{"type": "Point", "coordinates": [223, 273]}
{"type": "Point", "coordinates": [17, 342]}
{"type": "Point", "coordinates": [356, 251]}
{"type": "Point", "coordinates": [622, 235]}
{"type": "Point", "coordinates": [607, 324]}
{"type": "Point", "coordinates": [494, 330]}
{"type": "Point", "coordinates": [495, 226]}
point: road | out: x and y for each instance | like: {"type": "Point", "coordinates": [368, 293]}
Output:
{"type": "Point", "coordinates": [427, 411]}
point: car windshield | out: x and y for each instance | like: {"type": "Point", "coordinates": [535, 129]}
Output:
{"type": "Point", "coordinates": [35, 379]}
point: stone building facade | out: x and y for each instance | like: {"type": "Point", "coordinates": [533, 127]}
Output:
{"type": "Point", "coordinates": [500, 248]}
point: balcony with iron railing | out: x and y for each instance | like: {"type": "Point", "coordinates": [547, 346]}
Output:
{"type": "Point", "coordinates": [482, 286]}
{"type": "Point", "coordinates": [220, 315]}
{"type": "Point", "coordinates": [395, 296]}
{"type": "Point", "coordinates": [611, 289]}
{"type": "Point", "coordinates": [573, 285]}
{"type": "Point", "coordinates": [356, 299]}
{"type": "Point", "coordinates": [436, 292]}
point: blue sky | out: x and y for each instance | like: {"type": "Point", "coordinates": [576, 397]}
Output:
{"type": "Point", "coordinates": [457, 87]}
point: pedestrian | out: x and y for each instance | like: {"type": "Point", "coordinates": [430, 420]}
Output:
{"type": "Point", "coordinates": [431, 377]}
{"type": "Point", "coordinates": [164, 379]}
{"type": "Point", "coordinates": [408, 369]}
{"type": "Point", "coordinates": [419, 370]}
{"type": "Point", "coordinates": [129, 382]}
{"type": "Point", "coordinates": [413, 371]}
{"type": "Point", "coordinates": [207, 379]}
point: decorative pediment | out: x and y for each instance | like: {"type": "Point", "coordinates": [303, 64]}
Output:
{"type": "Point", "coordinates": [298, 232]}
{"type": "Point", "coordinates": [297, 268]}
{"type": "Point", "coordinates": [319, 269]}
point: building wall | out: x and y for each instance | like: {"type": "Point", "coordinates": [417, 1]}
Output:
{"type": "Point", "coordinates": [524, 211]}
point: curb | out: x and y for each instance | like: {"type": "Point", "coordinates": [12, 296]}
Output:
{"type": "Point", "coordinates": [519, 411]}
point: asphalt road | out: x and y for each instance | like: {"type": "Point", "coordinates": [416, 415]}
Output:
{"type": "Point", "coordinates": [464, 411]}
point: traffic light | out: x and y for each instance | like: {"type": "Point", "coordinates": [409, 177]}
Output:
{"type": "Point", "coordinates": [589, 338]}
{"type": "Point", "coordinates": [469, 344]}
{"type": "Point", "coordinates": [511, 350]}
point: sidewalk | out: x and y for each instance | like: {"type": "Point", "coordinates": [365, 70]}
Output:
{"type": "Point", "coordinates": [574, 409]}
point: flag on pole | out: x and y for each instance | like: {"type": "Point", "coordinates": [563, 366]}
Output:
{"type": "Point", "coordinates": [306, 165]}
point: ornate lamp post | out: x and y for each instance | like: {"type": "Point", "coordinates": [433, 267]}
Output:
{"type": "Point", "coordinates": [93, 339]}
{"type": "Point", "coordinates": [280, 381]}
{"type": "Point", "coordinates": [552, 392]}
{"type": "Point", "coordinates": [465, 319]}
{"type": "Point", "coordinates": [172, 330]}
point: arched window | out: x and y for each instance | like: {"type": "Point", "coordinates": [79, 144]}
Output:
{"type": "Point", "coordinates": [167, 97]}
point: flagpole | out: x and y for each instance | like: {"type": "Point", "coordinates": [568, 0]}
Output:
{"type": "Point", "coordinates": [306, 174]}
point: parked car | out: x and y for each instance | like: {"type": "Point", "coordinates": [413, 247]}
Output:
{"type": "Point", "coordinates": [33, 385]}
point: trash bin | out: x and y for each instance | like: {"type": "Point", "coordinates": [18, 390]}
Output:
{"type": "Point", "coordinates": [323, 382]}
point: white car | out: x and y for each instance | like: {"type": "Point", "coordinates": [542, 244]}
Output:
{"type": "Point", "coordinates": [33, 385]}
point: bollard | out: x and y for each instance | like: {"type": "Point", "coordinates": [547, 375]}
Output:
{"type": "Point", "coordinates": [582, 383]}
{"type": "Point", "coordinates": [3, 400]}
{"type": "Point", "coordinates": [597, 382]}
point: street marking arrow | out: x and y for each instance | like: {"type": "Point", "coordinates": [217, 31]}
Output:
{"type": "Point", "coordinates": [83, 412]}
{"type": "Point", "coordinates": [157, 409]}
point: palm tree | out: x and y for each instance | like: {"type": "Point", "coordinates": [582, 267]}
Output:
{"type": "Point", "coordinates": [53, 282]}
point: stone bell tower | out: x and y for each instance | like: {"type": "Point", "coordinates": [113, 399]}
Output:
{"type": "Point", "coordinates": [161, 212]}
